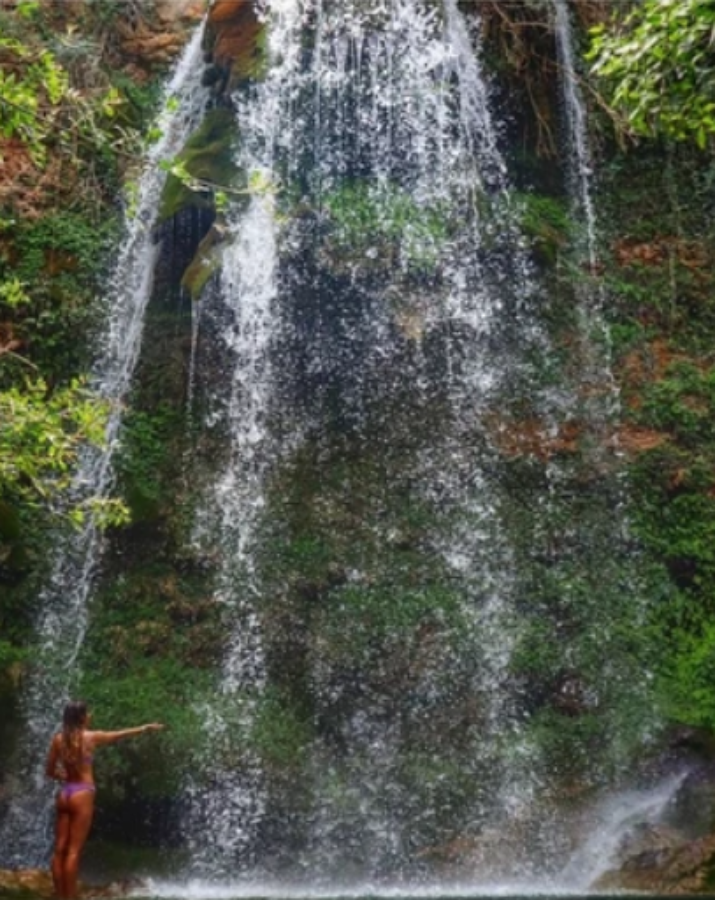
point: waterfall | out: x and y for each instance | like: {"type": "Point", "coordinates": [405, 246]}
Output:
{"type": "Point", "coordinates": [609, 824]}
{"type": "Point", "coordinates": [415, 529]}
{"type": "Point", "coordinates": [229, 808]}
{"type": "Point", "coordinates": [63, 605]}
{"type": "Point", "coordinates": [367, 111]}
{"type": "Point", "coordinates": [580, 169]}
{"type": "Point", "coordinates": [596, 342]}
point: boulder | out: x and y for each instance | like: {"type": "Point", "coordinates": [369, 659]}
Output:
{"type": "Point", "coordinates": [692, 810]}
{"type": "Point", "coordinates": [658, 862]}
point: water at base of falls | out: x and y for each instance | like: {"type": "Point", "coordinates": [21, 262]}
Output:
{"type": "Point", "coordinates": [607, 826]}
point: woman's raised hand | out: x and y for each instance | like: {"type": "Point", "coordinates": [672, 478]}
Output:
{"type": "Point", "coordinates": [154, 726]}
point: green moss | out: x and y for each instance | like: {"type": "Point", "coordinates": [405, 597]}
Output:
{"type": "Point", "coordinates": [209, 157]}
{"type": "Point", "coordinates": [147, 458]}
{"type": "Point", "coordinates": [159, 690]}
{"type": "Point", "coordinates": [383, 227]}
{"type": "Point", "coordinates": [279, 734]}
{"type": "Point", "coordinates": [546, 222]}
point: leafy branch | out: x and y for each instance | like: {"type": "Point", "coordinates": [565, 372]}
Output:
{"type": "Point", "coordinates": [658, 65]}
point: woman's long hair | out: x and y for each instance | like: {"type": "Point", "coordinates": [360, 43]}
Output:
{"type": "Point", "coordinates": [73, 722]}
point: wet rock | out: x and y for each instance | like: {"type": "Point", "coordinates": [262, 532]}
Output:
{"type": "Point", "coordinates": [38, 883]}
{"type": "Point", "coordinates": [235, 42]}
{"type": "Point", "coordinates": [32, 881]}
{"type": "Point", "coordinates": [692, 810]}
{"type": "Point", "coordinates": [208, 159]}
{"type": "Point", "coordinates": [655, 860]}
{"type": "Point", "coordinates": [205, 263]}
{"type": "Point", "coordinates": [147, 42]}
{"type": "Point", "coordinates": [174, 13]}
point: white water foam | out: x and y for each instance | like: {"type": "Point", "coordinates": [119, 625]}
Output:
{"type": "Point", "coordinates": [609, 823]}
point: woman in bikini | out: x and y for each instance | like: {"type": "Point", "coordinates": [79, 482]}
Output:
{"type": "Point", "coordinates": [70, 761]}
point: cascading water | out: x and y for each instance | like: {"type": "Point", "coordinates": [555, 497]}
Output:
{"type": "Point", "coordinates": [63, 606]}
{"type": "Point", "coordinates": [611, 822]}
{"type": "Point", "coordinates": [579, 171]}
{"type": "Point", "coordinates": [230, 807]}
{"type": "Point", "coordinates": [607, 823]}
{"type": "Point", "coordinates": [391, 318]}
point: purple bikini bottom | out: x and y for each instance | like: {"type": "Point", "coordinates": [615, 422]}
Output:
{"type": "Point", "coordinates": [70, 788]}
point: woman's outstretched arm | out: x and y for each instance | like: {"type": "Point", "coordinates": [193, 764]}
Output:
{"type": "Point", "coordinates": [99, 738]}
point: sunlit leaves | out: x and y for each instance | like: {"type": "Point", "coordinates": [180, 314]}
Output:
{"type": "Point", "coordinates": [29, 82]}
{"type": "Point", "coordinates": [12, 293]}
{"type": "Point", "coordinates": [658, 63]}
{"type": "Point", "coordinates": [39, 106]}
{"type": "Point", "coordinates": [41, 435]}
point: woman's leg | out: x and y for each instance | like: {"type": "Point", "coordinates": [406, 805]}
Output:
{"type": "Point", "coordinates": [62, 833]}
{"type": "Point", "coordinates": [81, 808]}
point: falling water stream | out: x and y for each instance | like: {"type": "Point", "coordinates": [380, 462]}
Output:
{"type": "Point", "coordinates": [64, 602]}
{"type": "Point", "coordinates": [372, 118]}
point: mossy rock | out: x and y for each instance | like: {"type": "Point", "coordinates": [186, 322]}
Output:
{"type": "Point", "coordinates": [545, 221]}
{"type": "Point", "coordinates": [205, 263]}
{"type": "Point", "coordinates": [209, 157]}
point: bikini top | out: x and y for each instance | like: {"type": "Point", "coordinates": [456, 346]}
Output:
{"type": "Point", "coordinates": [87, 759]}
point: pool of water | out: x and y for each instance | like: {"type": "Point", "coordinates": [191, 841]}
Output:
{"type": "Point", "coordinates": [157, 890]}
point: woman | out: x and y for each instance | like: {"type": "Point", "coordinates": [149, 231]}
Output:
{"type": "Point", "coordinates": [70, 761]}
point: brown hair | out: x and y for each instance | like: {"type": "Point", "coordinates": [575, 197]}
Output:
{"type": "Point", "coordinates": [73, 722]}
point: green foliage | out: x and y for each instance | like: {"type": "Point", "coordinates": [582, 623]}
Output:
{"type": "Point", "coordinates": [361, 617]}
{"type": "Point", "coordinates": [156, 690]}
{"type": "Point", "coordinates": [11, 654]}
{"type": "Point", "coordinates": [146, 448]}
{"type": "Point", "coordinates": [12, 294]}
{"type": "Point", "coordinates": [545, 221]}
{"type": "Point", "coordinates": [48, 294]}
{"type": "Point", "coordinates": [385, 222]}
{"type": "Point", "coordinates": [28, 8]}
{"type": "Point", "coordinates": [689, 673]}
{"type": "Point", "coordinates": [149, 654]}
{"type": "Point", "coordinates": [80, 242]}
{"type": "Point", "coordinates": [29, 94]}
{"type": "Point", "coordinates": [279, 735]}
{"type": "Point", "coordinates": [683, 404]}
{"type": "Point", "coordinates": [658, 66]}
{"type": "Point", "coordinates": [41, 436]}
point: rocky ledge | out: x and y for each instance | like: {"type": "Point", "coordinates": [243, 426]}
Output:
{"type": "Point", "coordinates": [658, 862]}
{"type": "Point", "coordinates": [38, 883]}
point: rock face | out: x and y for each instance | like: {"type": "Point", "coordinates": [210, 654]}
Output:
{"type": "Point", "coordinates": [34, 881]}
{"type": "Point", "coordinates": [659, 864]}
{"type": "Point", "coordinates": [147, 43]}
{"type": "Point", "coordinates": [676, 856]}
{"type": "Point", "coordinates": [235, 39]}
